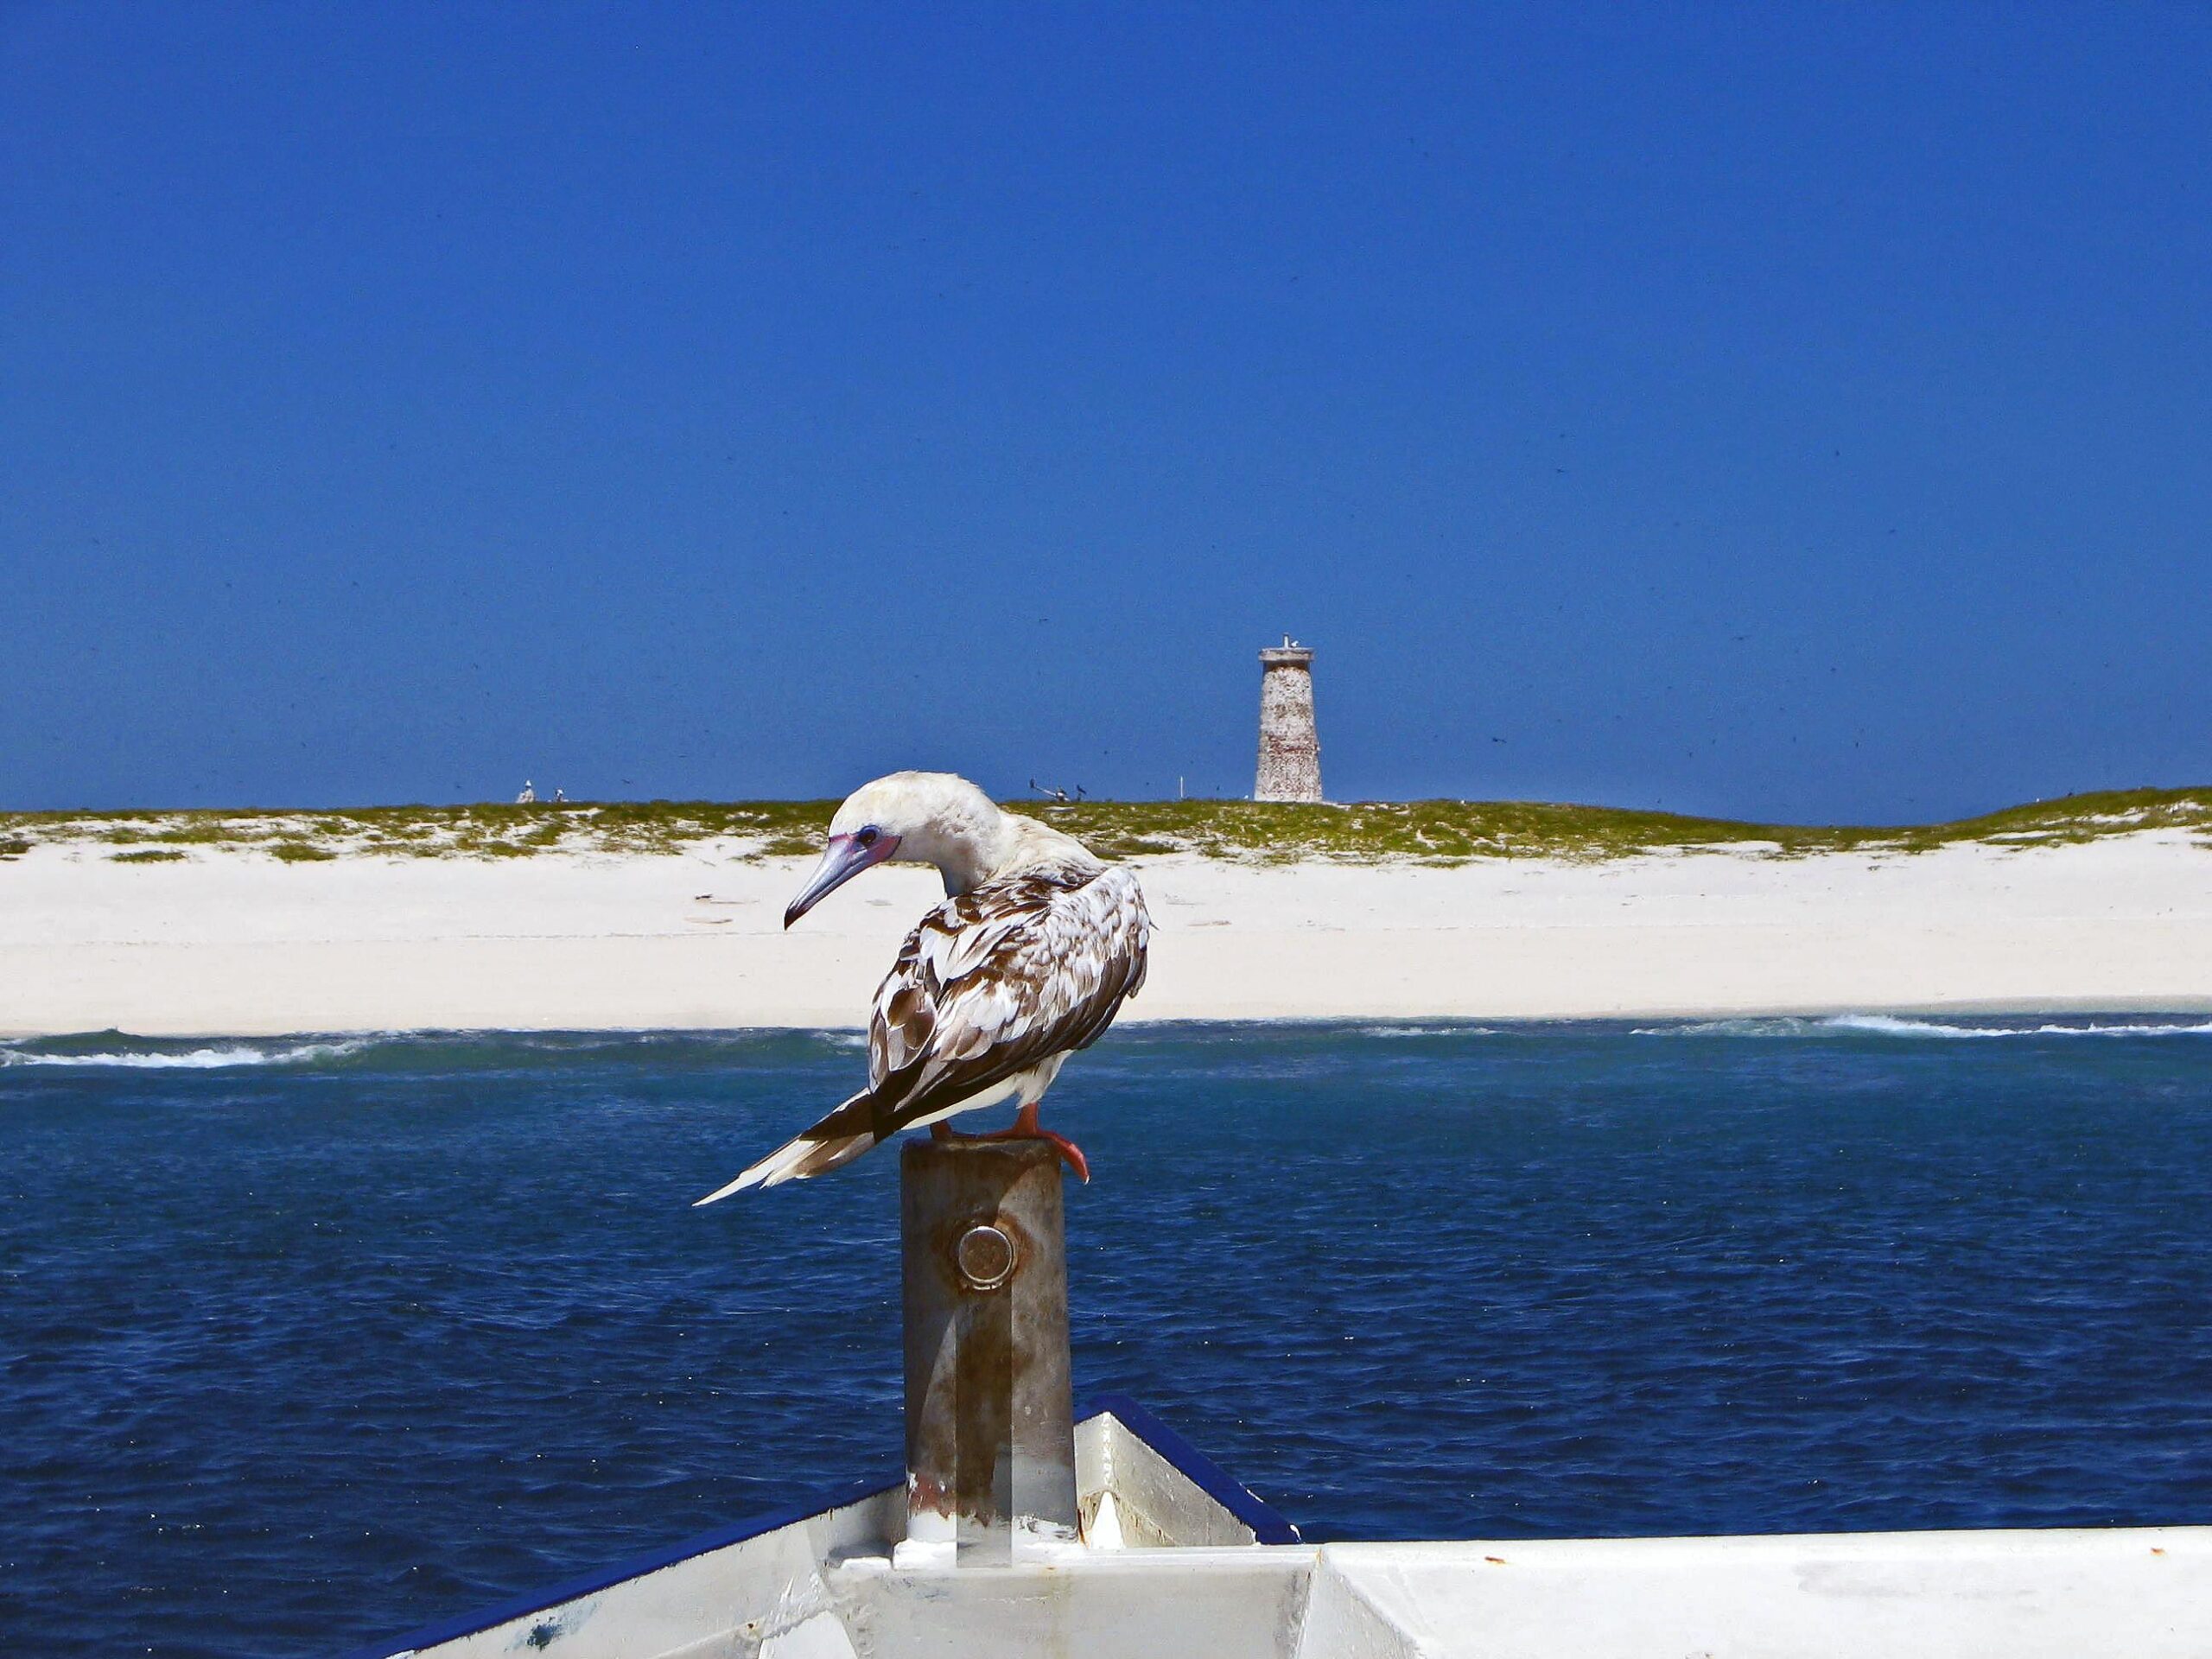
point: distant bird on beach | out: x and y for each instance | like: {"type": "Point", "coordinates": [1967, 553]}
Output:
{"type": "Point", "coordinates": [1027, 960]}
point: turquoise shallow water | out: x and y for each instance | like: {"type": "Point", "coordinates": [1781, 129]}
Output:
{"type": "Point", "coordinates": [305, 1342]}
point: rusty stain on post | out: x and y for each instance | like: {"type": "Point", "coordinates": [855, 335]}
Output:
{"type": "Point", "coordinates": [990, 1410]}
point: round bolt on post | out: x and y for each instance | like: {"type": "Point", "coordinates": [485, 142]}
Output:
{"type": "Point", "coordinates": [986, 1257]}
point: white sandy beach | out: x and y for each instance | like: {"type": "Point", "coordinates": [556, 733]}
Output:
{"type": "Point", "coordinates": [239, 943]}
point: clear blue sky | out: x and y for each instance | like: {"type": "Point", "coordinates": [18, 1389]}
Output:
{"type": "Point", "coordinates": [1787, 412]}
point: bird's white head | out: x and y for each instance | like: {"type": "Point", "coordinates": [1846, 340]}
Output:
{"type": "Point", "coordinates": [909, 817]}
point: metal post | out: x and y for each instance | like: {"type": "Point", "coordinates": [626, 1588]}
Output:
{"type": "Point", "coordinates": [990, 1410]}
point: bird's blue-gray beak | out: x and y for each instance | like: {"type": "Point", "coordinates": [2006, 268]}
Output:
{"type": "Point", "coordinates": [845, 857]}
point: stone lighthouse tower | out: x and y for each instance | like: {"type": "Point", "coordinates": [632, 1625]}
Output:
{"type": "Point", "coordinates": [1290, 752]}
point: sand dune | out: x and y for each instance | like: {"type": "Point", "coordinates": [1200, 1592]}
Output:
{"type": "Point", "coordinates": [230, 942]}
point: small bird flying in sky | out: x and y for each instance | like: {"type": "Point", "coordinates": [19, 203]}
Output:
{"type": "Point", "coordinates": [1028, 959]}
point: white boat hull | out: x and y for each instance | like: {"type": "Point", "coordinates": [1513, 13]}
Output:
{"type": "Point", "coordinates": [1177, 1561]}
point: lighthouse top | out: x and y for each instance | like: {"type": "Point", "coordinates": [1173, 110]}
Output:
{"type": "Point", "coordinates": [1289, 654]}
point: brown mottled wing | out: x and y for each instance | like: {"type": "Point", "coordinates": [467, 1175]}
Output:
{"type": "Point", "coordinates": [993, 982]}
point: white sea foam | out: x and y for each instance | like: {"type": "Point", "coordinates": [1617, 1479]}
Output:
{"type": "Point", "coordinates": [194, 1059]}
{"type": "Point", "coordinates": [1889, 1024]}
{"type": "Point", "coordinates": [1425, 1031]}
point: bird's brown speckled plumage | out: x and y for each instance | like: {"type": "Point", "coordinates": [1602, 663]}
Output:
{"type": "Point", "coordinates": [999, 980]}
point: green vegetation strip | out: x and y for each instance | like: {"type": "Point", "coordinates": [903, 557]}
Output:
{"type": "Point", "coordinates": [1434, 832]}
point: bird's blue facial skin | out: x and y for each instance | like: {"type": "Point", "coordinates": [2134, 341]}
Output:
{"type": "Point", "coordinates": [845, 857]}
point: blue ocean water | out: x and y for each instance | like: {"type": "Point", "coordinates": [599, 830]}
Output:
{"type": "Point", "coordinates": [306, 1342]}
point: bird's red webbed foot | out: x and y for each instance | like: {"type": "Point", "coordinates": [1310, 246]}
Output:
{"type": "Point", "coordinates": [1026, 1127]}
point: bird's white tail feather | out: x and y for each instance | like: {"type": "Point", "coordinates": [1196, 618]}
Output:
{"type": "Point", "coordinates": [819, 1149]}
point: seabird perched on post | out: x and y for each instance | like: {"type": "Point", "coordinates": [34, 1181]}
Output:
{"type": "Point", "coordinates": [1027, 960]}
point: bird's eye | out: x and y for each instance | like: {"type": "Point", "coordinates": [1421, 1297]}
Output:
{"type": "Point", "coordinates": [866, 837]}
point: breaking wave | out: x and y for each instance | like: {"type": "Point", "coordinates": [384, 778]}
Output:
{"type": "Point", "coordinates": [1888, 1025]}
{"type": "Point", "coordinates": [1424, 1031]}
{"type": "Point", "coordinates": [421, 1051]}
{"type": "Point", "coordinates": [179, 1058]}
